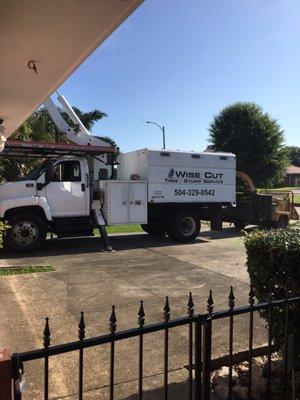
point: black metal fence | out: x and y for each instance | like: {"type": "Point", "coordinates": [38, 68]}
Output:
{"type": "Point", "coordinates": [199, 347]}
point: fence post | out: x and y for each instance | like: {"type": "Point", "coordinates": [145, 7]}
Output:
{"type": "Point", "coordinates": [5, 375]}
{"type": "Point", "coordinates": [16, 369]}
{"type": "Point", "coordinates": [207, 328]}
{"type": "Point", "coordinates": [206, 358]}
{"type": "Point", "coordinates": [198, 366]}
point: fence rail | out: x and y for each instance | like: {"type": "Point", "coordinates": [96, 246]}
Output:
{"type": "Point", "coordinates": [199, 346]}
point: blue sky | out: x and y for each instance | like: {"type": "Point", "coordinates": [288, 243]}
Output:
{"type": "Point", "coordinates": [178, 63]}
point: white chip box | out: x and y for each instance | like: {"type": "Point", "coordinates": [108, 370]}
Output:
{"type": "Point", "coordinates": [182, 177]}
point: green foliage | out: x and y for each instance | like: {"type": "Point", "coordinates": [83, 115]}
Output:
{"type": "Point", "coordinates": [87, 118]}
{"type": "Point", "coordinates": [294, 154]}
{"type": "Point", "coordinates": [257, 140]}
{"type": "Point", "coordinates": [3, 226]}
{"type": "Point", "coordinates": [30, 269]}
{"type": "Point", "coordinates": [126, 228]}
{"type": "Point", "coordinates": [39, 127]}
{"type": "Point", "coordinates": [110, 141]}
{"type": "Point", "coordinates": [273, 262]}
{"type": "Point", "coordinates": [1, 233]}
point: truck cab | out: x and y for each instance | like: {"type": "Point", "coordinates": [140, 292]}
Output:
{"type": "Point", "coordinates": [58, 196]}
{"type": "Point", "coordinates": [55, 189]}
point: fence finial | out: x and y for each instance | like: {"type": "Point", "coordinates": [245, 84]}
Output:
{"type": "Point", "coordinates": [167, 310]}
{"type": "Point", "coordinates": [81, 327]}
{"type": "Point", "coordinates": [210, 303]}
{"type": "Point", "coordinates": [47, 334]}
{"type": "Point", "coordinates": [113, 320]}
{"type": "Point", "coordinates": [190, 305]}
{"type": "Point", "coordinates": [251, 296]}
{"type": "Point", "coordinates": [231, 298]}
{"type": "Point", "coordinates": [141, 315]}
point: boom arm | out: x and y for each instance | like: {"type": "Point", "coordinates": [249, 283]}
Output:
{"type": "Point", "coordinates": [78, 135]}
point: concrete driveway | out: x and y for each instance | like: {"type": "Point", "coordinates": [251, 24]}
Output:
{"type": "Point", "coordinates": [89, 280]}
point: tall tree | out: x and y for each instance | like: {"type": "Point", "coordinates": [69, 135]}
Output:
{"type": "Point", "coordinates": [40, 127]}
{"type": "Point", "coordinates": [257, 140]}
{"type": "Point", "coordinates": [294, 154]}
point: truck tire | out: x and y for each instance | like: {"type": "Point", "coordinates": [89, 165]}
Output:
{"type": "Point", "coordinates": [184, 227]}
{"type": "Point", "coordinates": [154, 229]}
{"type": "Point", "coordinates": [26, 233]}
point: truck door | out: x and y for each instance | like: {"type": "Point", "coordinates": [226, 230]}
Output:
{"type": "Point", "coordinates": [67, 193]}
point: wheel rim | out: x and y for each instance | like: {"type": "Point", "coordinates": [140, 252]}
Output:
{"type": "Point", "coordinates": [187, 226]}
{"type": "Point", "coordinates": [25, 233]}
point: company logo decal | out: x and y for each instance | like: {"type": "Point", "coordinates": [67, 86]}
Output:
{"type": "Point", "coordinates": [184, 176]}
{"type": "Point", "coordinates": [171, 173]}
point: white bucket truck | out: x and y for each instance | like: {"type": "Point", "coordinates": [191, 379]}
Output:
{"type": "Point", "coordinates": [80, 187]}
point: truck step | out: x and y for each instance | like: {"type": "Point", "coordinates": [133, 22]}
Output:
{"type": "Point", "coordinates": [73, 226]}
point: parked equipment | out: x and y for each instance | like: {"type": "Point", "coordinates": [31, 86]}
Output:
{"type": "Point", "coordinates": [283, 207]}
{"type": "Point", "coordinates": [267, 208]}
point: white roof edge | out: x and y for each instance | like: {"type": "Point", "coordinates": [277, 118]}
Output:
{"type": "Point", "coordinates": [220, 153]}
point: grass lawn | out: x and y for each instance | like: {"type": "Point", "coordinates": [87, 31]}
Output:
{"type": "Point", "coordinates": [30, 269]}
{"type": "Point", "coordinates": [285, 188]}
{"type": "Point", "coordinates": [126, 228]}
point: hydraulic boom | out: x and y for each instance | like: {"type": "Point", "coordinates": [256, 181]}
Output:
{"type": "Point", "coordinates": [79, 134]}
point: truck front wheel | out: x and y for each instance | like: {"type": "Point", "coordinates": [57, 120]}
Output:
{"type": "Point", "coordinates": [26, 232]}
{"type": "Point", "coordinates": [184, 227]}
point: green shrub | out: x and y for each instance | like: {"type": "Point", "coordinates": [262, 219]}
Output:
{"type": "Point", "coordinates": [2, 229]}
{"type": "Point", "coordinates": [273, 262]}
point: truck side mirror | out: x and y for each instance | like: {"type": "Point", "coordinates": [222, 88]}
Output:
{"type": "Point", "coordinates": [48, 175]}
{"type": "Point", "coordinates": [48, 171]}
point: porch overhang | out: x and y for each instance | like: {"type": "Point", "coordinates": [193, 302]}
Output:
{"type": "Point", "coordinates": [43, 42]}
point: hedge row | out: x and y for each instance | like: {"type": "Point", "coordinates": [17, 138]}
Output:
{"type": "Point", "coordinates": [273, 262]}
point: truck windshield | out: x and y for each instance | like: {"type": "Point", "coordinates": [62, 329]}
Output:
{"type": "Point", "coordinates": [34, 174]}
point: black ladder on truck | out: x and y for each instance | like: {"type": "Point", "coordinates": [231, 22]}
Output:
{"type": "Point", "coordinates": [102, 229]}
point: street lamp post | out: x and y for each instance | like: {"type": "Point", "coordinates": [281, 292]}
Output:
{"type": "Point", "coordinates": [162, 128]}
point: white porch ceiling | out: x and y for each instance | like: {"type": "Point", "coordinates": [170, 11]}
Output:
{"type": "Point", "coordinates": [58, 35]}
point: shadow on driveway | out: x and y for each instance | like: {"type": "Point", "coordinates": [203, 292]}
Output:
{"type": "Point", "coordinates": [85, 245]}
